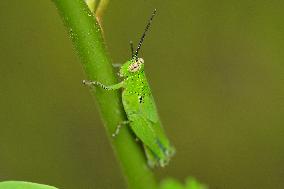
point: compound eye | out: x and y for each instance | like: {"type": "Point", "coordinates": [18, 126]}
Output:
{"type": "Point", "coordinates": [134, 67]}
{"type": "Point", "coordinates": [140, 60]}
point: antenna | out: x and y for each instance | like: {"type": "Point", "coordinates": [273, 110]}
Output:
{"type": "Point", "coordinates": [131, 48]}
{"type": "Point", "coordinates": [144, 34]}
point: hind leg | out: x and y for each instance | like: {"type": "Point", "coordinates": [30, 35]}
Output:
{"type": "Point", "coordinates": [152, 159]}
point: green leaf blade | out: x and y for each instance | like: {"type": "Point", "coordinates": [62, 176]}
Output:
{"type": "Point", "coordinates": [23, 185]}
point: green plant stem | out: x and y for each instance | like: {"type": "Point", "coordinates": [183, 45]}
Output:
{"type": "Point", "coordinates": [87, 38]}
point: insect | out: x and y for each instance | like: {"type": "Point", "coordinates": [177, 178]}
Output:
{"type": "Point", "coordinates": [140, 107]}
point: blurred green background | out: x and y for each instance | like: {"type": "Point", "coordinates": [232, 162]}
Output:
{"type": "Point", "coordinates": [216, 71]}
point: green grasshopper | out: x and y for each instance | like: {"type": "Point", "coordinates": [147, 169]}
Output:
{"type": "Point", "coordinates": [140, 107]}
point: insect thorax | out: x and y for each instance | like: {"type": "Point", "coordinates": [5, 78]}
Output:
{"type": "Point", "coordinates": [137, 84]}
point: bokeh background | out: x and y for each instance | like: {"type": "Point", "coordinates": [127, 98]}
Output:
{"type": "Point", "coordinates": [216, 71]}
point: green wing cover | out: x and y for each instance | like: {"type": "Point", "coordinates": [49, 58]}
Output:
{"type": "Point", "coordinates": [144, 121]}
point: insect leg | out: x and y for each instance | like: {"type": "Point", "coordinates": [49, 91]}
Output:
{"type": "Point", "coordinates": [118, 128]}
{"type": "Point", "coordinates": [96, 83]}
{"type": "Point", "coordinates": [152, 159]}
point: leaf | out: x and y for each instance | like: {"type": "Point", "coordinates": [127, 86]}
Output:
{"type": "Point", "coordinates": [191, 183]}
{"type": "Point", "coordinates": [171, 183]}
{"type": "Point", "coordinates": [23, 185]}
